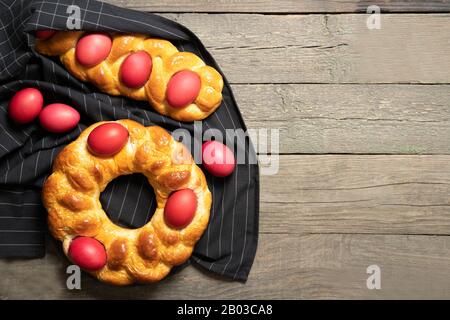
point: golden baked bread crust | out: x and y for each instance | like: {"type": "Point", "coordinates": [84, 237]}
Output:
{"type": "Point", "coordinates": [166, 61]}
{"type": "Point", "coordinates": [71, 197]}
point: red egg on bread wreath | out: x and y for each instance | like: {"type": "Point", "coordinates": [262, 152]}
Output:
{"type": "Point", "coordinates": [183, 88]}
{"type": "Point", "coordinates": [88, 253]}
{"type": "Point", "coordinates": [44, 34]}
{"type": "Point", "coordinates": [107, 139]}
{"type": "Point", "coordinates": [136, 69]}
{"type": "Point", "coordinates": [92, 49]}
{"type": "Point", "coordinates": [180, 208]}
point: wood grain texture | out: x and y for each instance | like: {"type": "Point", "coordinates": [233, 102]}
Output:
{"type": "Point", "coordinates": [330, 85]}
{"type": "Point", "coordinates": [286, 266]}
{"type": "Point", "coordinates": [252, 48]}
{"type": "Point", "coordinates": [357, 194]}
{"type": "Point", "coordinates": [283, 6]}
{"type": "Point", "coordinates": [386, 119]}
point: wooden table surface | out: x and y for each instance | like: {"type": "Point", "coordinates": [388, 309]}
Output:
{"type": "Point", "coordinates": [364, 177]}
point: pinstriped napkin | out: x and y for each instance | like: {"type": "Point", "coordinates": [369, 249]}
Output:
{"type": "Point", "coordinates": [227, 247]}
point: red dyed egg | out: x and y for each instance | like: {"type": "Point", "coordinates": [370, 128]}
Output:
{"type": "Point", "coordinates": [93, 49]}
{"type": "Point", "coordinates": [183, 88]}
{"type": "Point", "coordinates": [25, 105]}
{"type": "Point", "coordinates": [59, 117]}
{"type": "Point", "coordinates": [180, 208]}
{"type": "Point", "coordinates": [107, 139]}
{"type": "Point", "coordinates": [45, 34]}
{"type": "Point", "coordinates": [135, 69]}
{"type": "Point", "coordinates": [218, 159]}
{"type": "Point", "coordinates": [87, 253]}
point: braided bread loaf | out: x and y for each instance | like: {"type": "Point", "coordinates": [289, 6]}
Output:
{"type": "Point", "coordinates": [203, 90]}
{"type": "Point", "coordinates": [71, 197]}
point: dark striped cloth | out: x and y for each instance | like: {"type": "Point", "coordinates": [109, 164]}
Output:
{"type": "Point", "coordinates": [26, 152]}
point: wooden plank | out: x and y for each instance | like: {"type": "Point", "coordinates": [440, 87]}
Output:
{"type": "Point", "coordinates": [397, 119]}
{"type": "Point", "coordinates": [286, 266]}
{"type": "Point", "coordinates": [357, 194]}
{"type": "Point", "coordinates": [252, 48]}
{"type": "Point", "coordinates": [283, 6]}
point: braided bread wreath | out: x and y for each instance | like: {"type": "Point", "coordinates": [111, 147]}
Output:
{"type": "Point", "coordinates": [176, 84]}
{"type": "Point", "coordinates": [71, 197]}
